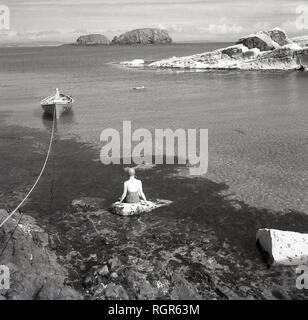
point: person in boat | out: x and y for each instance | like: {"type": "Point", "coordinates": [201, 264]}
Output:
{"type": "Point", "coordinates": [132, 189]}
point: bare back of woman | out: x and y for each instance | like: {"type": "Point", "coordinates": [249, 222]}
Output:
{"type": "Point", "coordinates": [132, 189]}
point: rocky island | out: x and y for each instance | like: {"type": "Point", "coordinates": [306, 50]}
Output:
{"type": "Point", "coordinates": [264, 50]}
{"type": "Point", "coordinates": [143, 37]}
{"type": "Point", "coordinates": [92, 40]}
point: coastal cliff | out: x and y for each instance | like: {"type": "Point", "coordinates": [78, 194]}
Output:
{"type": "Point", "coordinates": [264, 50]}
{"type": "Point", "coordinates": [92, 39]}
{"type": "Point", "coordinates": [143, 37]}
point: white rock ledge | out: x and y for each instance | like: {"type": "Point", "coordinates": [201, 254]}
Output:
{"type": "Point", "coordinates": [133, 63]}
{"type": "Point", "coordinates": [283, 247]}
{"type": "Point", "coordinates": [130, 209]}
{"type": "Point", "coordinates": [265, 50]}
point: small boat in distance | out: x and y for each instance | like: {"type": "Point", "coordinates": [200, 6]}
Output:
{"type": "Point", "coordinates": [139, 88]}
{"type": "Point", "coordinates": [59, 103]}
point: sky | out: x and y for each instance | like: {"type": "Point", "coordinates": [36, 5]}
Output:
{"type": "Point", "coordinates": [186, 20]}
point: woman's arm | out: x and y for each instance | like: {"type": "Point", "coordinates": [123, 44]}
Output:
{"type": "Point", "coordinates": [124, 193]}
{"type": "Point", "coordinates": [141, 194]}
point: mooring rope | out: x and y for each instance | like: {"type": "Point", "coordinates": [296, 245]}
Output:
{"type": "Point", "coordinates": [11, 235]}
{"type": "Point", "coordinates": [40, 175]}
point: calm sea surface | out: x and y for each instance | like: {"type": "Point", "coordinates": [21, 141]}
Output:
{"type": "Point", "coordinates": [257, 121]}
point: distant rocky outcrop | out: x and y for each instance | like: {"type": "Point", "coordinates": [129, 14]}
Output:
{"type": "Point", "coordinates": [92, 39]}
{"type": "Point", "coordinates": [143, 37]}
{"type": "Point", "coordinates": [264, 50]}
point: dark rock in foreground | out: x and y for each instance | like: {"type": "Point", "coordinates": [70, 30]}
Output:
{"type": "Point", "coordinates": [87, 204]}
{"type": "Point", "coordinates": [92, 39]}
{"type": "Point", "coordinates": [143, 36]}
{"type": "Point", "coordinates": [35, 273]}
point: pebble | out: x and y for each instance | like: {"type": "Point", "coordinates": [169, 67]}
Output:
{"type": "Point", "coordinates": [104, 271]}
{"type": "Point", "coordinates": [82, 267]}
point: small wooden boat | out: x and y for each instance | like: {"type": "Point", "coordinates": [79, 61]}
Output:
{"type": "Point", "coordinates": [59, 103]}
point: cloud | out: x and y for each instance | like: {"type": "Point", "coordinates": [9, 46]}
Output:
{"type": "Point", "coordinates": [263, 25]}
{"type": "Point", "coordinates": [220, 20]}
{"type": "Point", "coordinates": [35, 35]}
{"type": "Point", "coordinates": [219, 30]}
{"type": "Point", "coordinates": [223, 28]}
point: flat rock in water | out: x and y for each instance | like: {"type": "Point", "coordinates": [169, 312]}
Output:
{"type": "Point", "coordinates": [283, 247]}
{"type": "Point", "coordinates": [133, 63]}
{"type": "Point", "coordinates": [130, 209]}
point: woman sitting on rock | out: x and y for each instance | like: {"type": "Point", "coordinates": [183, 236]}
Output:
{"type": "Point", "coordinates": [132, 189]}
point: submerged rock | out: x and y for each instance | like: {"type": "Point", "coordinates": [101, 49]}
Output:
{"type": "Point", "coordinates": [114, 263]}
{"type": "Point", "coordinates": [104, 271]}
{"type": "Point", "coordinates": [87, 204]}
{"type": "Point", "coordinates": [143, 36]}
{"type": "Point", "coordinates": [92, 39]}
{"type": "Point", "coordinates": [283, 247]}
{"type": "Point", "coordinates": [183, 290]}
{"type": "Point", "coordinates": [130, 209]}
{"type": "Point", "coordinates": [115, 292]}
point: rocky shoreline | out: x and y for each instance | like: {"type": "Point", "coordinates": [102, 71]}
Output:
{"type": "Point", "coordinates": [143, 263]}
{"type": "Point", "coordinates": [202, 246]}
{"type": "Point", "coordinates": [264, 50]}
{"type": "Point", "coordinates": [35, 273]}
